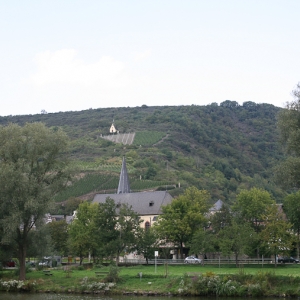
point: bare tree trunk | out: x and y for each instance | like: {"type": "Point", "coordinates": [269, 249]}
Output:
{"type": "Point", "coordinates": [22, 243]}
{"type": "Point", "coordinates": [22, 261]}
{"type": "Point", "coordinates": [181, 250]}
{"type": "Point", "coordinates": [298, 244]}
{"type": "Point", "coordinates": [236, 260]}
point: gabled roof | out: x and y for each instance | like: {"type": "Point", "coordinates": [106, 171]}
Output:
{"type": "Point", "coordinates": [57, 217]}
{"type": "Point", "coordinates": [143, 203]}
{"type": "Point", "coordinates": [217, 206]}
{"type": "Point", "coordinates": [124, 186]}
{"type": "Point", "coordinates": [69, 219]}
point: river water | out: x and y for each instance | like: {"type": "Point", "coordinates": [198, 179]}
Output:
{"type": "Point", "coordinates": [37, 296]}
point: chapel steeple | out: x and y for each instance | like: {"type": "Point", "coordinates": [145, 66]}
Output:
{"type": "Point", "coordinates": [124, 186]}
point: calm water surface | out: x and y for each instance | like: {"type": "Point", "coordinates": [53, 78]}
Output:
{"type": "Point", "coordinates": [19, 296]}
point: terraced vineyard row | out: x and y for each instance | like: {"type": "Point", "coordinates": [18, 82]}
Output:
{"type": "Point", "coordinates": [146, 138]}
{"type": "Point", "coordinates": [96, 166]}
{"type": "Point", "coordinates": [115, 168]}
{"type": "Point", "coordinates": [121, 138]}
{"type": "Point", "coordinates": [103, 182]}
{"type": "Point", "coordinates": [88, 184]}
{"type": "Point", "coordinates": [139, 185]}
{"type": "Point", "coordinates": [143, 138]}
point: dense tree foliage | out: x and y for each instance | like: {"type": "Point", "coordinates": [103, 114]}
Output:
{"type": "Point", "coordinates": [288, 175]}
{"type": "Point", "coordinates": [126, 230]}
{"type": "Point", "coordinates": [59, 236]}
{"type": "Point", "coordinates": [236, 238]}
{"type": "Point", "coordinates": [82, 231]}
{"type": "Point", "coordinates": [146, 243]}
{"type": "Point", "coordinates": [276, 236]}
{"type": "Point", "coordinates": [183, 217]}
{"type": "Point", "coordinates": [103, 230]}
{"type": "Point", "coordinates": [220, 148]}
{"type": "Point", "coordinates": [32, 171]}
{"type": "Point", "coordinates": [291, 207]}
{"type": "Point", "coordinates": [203, 241]}
{"type": "Point", "coordinates": [251, 205]}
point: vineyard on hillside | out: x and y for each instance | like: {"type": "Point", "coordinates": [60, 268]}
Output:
{"type": "Point", "coordinates": [148, 138]}
{"type": "Point", "coordinates": [122, 138]}
{"type": "Point", "coordinates": [89, 183]}
{"type": "Point", "coordinates": [104, 183]}
{"type": "Point", "coordinates": [139, 185]}
{"type": "Point", "coordinates": [97, 166]}
{"type": "Point", "coordinates": [221, 148]}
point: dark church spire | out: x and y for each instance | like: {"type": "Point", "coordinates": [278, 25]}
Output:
{"type": "Point", "coordinates": [124, 186]}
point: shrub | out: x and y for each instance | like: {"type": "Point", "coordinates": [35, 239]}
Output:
{"type": "Point", "coordinates": [211, 284]}
{"type": "Point", "coordinates": [254, 290]}
{"type": "Point", "coordinates": [17, 285]}
{"type": "Point", "coordinates": [268, 277]}
{"type": "Point", "coordinates": [113, 275]}
{"type": "Point", "coordinates": [95, 286]}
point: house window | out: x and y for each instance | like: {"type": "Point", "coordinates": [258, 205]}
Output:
{"type": "Point", "coordinates": [147, 225]}
{"type": "Point", "coordinates": [151, 203]}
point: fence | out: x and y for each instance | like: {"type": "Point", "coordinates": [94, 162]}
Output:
{"type": "Point", "coordinates": [242, 261]}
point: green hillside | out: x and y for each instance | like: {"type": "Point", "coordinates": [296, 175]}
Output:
{"type": "Point", "coordinates": [222, 148]}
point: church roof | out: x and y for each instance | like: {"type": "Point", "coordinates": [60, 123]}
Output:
{"type": "Point", "coordinates": [217, 206]}
{"type": "Point", "coordinates": [143, 203]}
{"type": "Point", "coordinates": [124, 186]}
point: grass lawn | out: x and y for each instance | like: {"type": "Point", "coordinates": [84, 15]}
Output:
{"type": "Point", "coordinates": [151, 279]}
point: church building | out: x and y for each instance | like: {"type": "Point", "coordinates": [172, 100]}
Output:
{"type": "Point", "coordinates": [146, 204]}
{"type": "Point", "coordinates": [113, 128]}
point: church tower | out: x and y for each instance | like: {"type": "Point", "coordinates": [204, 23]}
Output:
{"type": "Point", "coordinates": [124, 186]}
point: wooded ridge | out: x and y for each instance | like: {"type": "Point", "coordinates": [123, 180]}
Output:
{"type": "Point", "coordinates": [221, 148]}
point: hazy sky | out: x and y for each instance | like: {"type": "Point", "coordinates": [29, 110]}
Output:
{"type": "Point", "coordinates": [66, 55]}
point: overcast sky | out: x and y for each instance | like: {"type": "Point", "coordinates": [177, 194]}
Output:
{"type": "Point", "coordinates": [67, 55]}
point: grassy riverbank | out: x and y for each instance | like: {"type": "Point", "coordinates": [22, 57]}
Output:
{"type": "Point", "coordinates": [173, 279]}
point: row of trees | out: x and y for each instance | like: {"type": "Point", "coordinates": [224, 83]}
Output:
{"type": "Point", "coordinates": [254, 225]}
{"type": "Point", "coordinates": [33, 170]}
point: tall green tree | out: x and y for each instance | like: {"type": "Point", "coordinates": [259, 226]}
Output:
{"type": "Point", "coordinates": [82, 231]}
{"type": "Point", "coordinates": [105, 223]}
{"type": "Point", "coordinates": [128, 227]}
{"type": "Point", "coordinates": [203, 241]}
{"type": "Point", "coordinates": [251, 205]}
{"type": "Point", "coordinates": [221, 219]}
{"type": "Point", "coordinates": [146, 243]}
{"type": "Point", "coordinates": [32, 171]}
{"type": "Point", "coordinates": [59, 236]}
{"type": "Point", "coordinates": [117, 229]}
{"type": "Point", "coordinates": [183, 217]}
{"type": "Point", "coordinates": [288, 171]}
{"type": "Point", "coordinates": [236, 238]}
{"type": "Point", "coordinates": [40, 243]}
{"type": "Point", "coordinates": [277, 236]}
{"type": "Point", "coordinates": [70, 205]}
{"type": "Point", "coordinates": [291, 207]}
